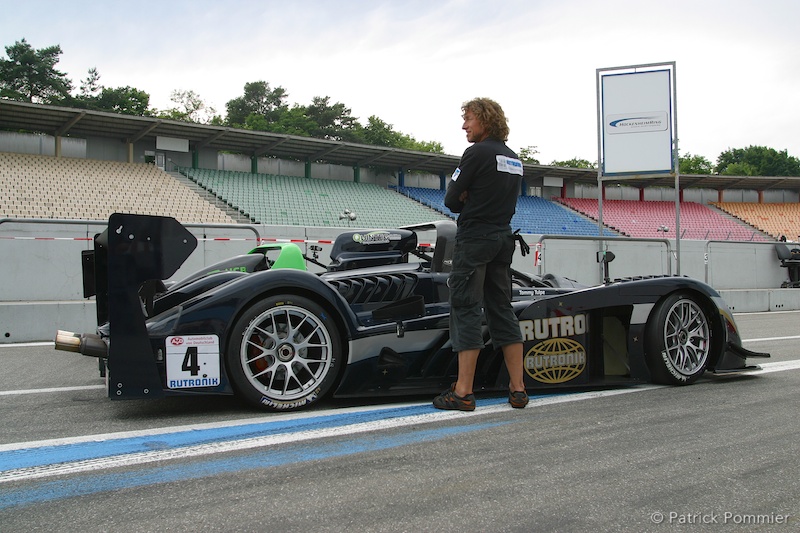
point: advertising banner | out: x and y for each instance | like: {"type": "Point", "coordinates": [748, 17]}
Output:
{"type": "Point", "coordinates": [637, 123]}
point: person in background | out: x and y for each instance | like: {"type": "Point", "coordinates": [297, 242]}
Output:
{"type": "Point", "coordinates": [484, 190]}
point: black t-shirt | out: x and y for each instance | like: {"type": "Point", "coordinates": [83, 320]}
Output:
{"type": "Point", "coordinates": [491, 173]}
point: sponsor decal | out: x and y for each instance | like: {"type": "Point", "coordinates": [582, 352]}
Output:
{"type": "Point", "coordinates": [509, 165]}
{"type": "Point", "coordinates": [375, 237]}
{"type": "Point", "coordinates": [456, 174]}
{"type": "Point", "coordinates": [555, 361]}
{"type": "Point", "coordinates": [532, 292]}
{"type": "Point", "coordinates": [556, 326]}
{"type": "Point", "coordinates": [670, 366]}
{"type": "Point", "coordinates": [556, 358]}
{"type": "Point", "coordinates": [292, 404]}
{"type": "Point", "coordinates": [192, 361]}
{"type": "Point", "coordinates": [229, 269]}
{"type": "Point", "coordinates": [637, 123]}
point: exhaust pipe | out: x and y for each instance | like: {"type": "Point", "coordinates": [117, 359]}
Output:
{"type": "Point", "coordinates": [83, 343]}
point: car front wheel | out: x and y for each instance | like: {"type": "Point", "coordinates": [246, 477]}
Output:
{"type": "Point", "coordinates": [284, 353]}
{"type": "Point", "coordinates": [678, 341]}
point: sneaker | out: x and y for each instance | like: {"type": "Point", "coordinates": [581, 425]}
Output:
{"type": "Point", "coordinates": [450, 400]}
{"type": "Point", "coordinates": [518, 399]}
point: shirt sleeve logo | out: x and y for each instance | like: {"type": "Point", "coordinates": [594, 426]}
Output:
{"type": "Point", "coordinates": [455, 175]}
{"type": "Point", "coordinates": [509, 165]}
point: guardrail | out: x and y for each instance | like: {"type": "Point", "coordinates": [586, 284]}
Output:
{"type": "Point", "coordinates": [105, 223]}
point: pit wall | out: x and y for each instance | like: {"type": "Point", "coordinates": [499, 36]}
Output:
{"type": "Point", "coordinates": [43, 289]}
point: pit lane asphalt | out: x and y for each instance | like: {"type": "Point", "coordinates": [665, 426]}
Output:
{"type": "Point", "coordinates": [722, 451]}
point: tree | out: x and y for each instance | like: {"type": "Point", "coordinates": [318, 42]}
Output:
{"type": "Point", "coordinates": [575, 163]}
{"type": "Point", "coordinates": [30, 75]}
{"type": "Point", "coordinates": [757, 161]}
{"type": "Point", "coordinates": [293, 121]}
{"type": "Point", "coordinates": [123, 100]}
{"type": "Point", "coordinates": [333, 121]}
{"type": "Point", "coordinates": [90, 87]}
{"type": "Point", "coordinates": [189, 108]}
{"type": "Point", "coordinates": [528, 155]}
{"type": "Point", "coordinates": [694, 164]}
{"type": "Point", "coordinates": [434, 147]}
{"type": "Point", "coordinates": [379, 133]}
{"type": "Point", "coordinates": [258, 99]}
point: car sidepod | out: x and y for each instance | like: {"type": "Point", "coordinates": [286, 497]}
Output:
{"type": "Point", "coordinates": [665, 330]}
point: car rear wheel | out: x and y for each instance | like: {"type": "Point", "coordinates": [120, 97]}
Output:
{"type": "Point", "coordinates": [678, 341]}
{"type": "Point", "coordinates": [284, 353]}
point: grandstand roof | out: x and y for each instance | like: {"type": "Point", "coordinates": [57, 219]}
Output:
{"type": "Point", "coordinates": [65, 121]}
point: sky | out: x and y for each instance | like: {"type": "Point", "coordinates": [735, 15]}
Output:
{"type": "Point", "coordinates": [412, 63]}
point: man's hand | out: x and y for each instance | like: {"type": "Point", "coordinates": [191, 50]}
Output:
{"type": "Point", "coordinates": [523, 246]}
{"type": "Point", "coordinates": [463, 196]}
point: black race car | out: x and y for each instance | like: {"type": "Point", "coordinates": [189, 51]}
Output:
{"type": "Point", "coordinates": [373, 323]}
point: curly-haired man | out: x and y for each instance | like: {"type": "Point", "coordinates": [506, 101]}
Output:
{"type": "Point", "coordinates": [484, 190]}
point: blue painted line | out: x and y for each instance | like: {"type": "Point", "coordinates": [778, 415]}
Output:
{"type": "Point", "coordinates": [45, 491]}
{"type": "Point", "coordinates": [65, 453]}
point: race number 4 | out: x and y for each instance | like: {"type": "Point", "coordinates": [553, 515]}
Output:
{"type": "Point", "coordinates": [192, 361]}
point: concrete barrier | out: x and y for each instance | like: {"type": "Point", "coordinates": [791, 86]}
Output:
{"type": "Point", "coordinates": [42, 281]}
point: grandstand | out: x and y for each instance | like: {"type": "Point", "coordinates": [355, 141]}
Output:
{"type": "Point", "coordinates": [534, 214]}
{"type": "Point", "coordinates": [656, 219]}
{"type": "Point", "coordinates": [35, 186]}
{"type": "Point", "coordinates": [304, 191]}
{"type": "Point", "coordinates": [776, 220]}
{"type": "Point", "coordinates": [296, 201]}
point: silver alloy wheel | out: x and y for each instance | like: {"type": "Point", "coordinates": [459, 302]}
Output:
{"type": "Point", "coordinates": [687, 339]}
{"type": "Point", "coordinates": [287, 352]}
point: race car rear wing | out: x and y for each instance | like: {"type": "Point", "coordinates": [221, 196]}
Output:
{"type": "Point", "coordinates": [132, 250]}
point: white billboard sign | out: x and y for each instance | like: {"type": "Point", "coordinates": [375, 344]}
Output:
{"type": "Point", "coordinates": [172, 144]}
{"type": "Point", "coordinates": [637, 124]}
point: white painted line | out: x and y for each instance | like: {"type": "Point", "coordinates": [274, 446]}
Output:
{"type": "Point", "coordinates": [37, 472]}
{"type": "Point", "coordinates": [764, 339]}
{"type": "Point", "coordinates": [272, 418]}
{"type": "Point", "coordinates": [777, 366]}
{"type": "Point", "coordinates": [51, 389]}
{"type": "Point", "coordinates": [26, 344]}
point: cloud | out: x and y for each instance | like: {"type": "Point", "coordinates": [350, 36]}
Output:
{"type": "Point", "coordinates": [412, 63]}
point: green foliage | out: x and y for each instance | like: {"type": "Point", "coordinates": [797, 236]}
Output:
{"type": "Point", "coordinates": [333, 121]}
{"type": "Point", "coordinates": [292, 121]}
{"type": "Point", "coordinates": [258, 99]}
{"type": "Point", "coordinates": [575, 163]}
{"type": "Point", "coordinates": [321, 119]}
{"type": "Point", "coordinates": [30, 75]}
{"type": "Point", "coordinates": [189, 107]}
{"type": "Point", "coordinates": [757, 161]}
{"type": "Point", "coordinates": [379, 133]}
{"type": "Point", "coordinates": [694, 164]}
{"type": "Point", "coordinates": [90, 87]}
{"type": "Point", "coordinates": [434, 147]}
{"type": "Point", "coordinates": [528, 155]}
{"type": "Point", "coordinates": [123, 100]}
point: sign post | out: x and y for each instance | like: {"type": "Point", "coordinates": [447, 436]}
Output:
{"type": "Point", "coordinates": [637, 129]}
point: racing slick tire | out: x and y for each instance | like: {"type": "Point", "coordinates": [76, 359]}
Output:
{"type": "Point", "coordinates": [284, 353]}
{"type": "Point", "coordinates": [678, 341]}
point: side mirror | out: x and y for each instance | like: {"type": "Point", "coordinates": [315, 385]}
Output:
{"type": "Point", "coordinates": [605, 256]}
